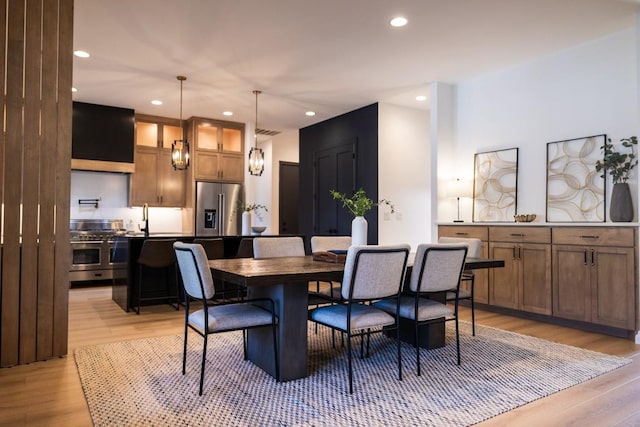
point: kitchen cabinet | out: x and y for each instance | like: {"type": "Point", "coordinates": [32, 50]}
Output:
{"type": "Point", "coordinates": [594, 275]}
{"type": "Point", "coordinates": [525, 281]}
{"type": "Point", "coordinates": [218, 153]}
{"type": "Point", "coordinates": [481, 277]}
{"type": "Point", "coordinates": [155, 181]}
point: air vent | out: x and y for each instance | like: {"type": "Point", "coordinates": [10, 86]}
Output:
{"type": "Point", "coordinates": [267, 132]}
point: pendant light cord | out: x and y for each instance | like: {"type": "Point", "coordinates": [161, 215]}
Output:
{"type": "Point", "coordinates": [255, 133]}
{"type": "Point", "coordinates": [182, 79]}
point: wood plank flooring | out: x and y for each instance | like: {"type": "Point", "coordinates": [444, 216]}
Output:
{"type": "Point", "coordinates": [49, 393]}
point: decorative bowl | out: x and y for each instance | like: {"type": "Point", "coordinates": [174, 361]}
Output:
{"type": "Point", "coordinates": [525, 218]}
{"type": "Point", "coordinates": [258, 229]}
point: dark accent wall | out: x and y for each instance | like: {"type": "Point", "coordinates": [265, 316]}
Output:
{"type": "Point", "coordinates": [360, 125]}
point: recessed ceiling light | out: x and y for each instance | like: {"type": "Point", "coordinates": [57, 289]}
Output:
{"type": "Point", "coordinates": [310, 113]}
{"type": "Point", "coordinates": [398, 22]}
{"type": "Point", "coordinates": [227, 113]}
{"type": "Point", "coordinates": [81, 54]}
{"type": "Point", "coordinates": [73, 89]}
{"type": "Point", "coordinates": [156, 102]}
{"type": "Point", "coordinates": [421, 98]}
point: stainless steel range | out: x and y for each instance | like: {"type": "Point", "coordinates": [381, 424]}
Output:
{"type": "Point", "coordinates": [96, 251]}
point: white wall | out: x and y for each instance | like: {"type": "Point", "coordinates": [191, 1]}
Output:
{"type": "Point", "coordinates": [586, 90]}
{"type": "Point", "coordinates": [404, 175]}
{"type": "Point", "coordinates": [113, 190]}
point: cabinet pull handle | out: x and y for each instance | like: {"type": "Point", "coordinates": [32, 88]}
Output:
{"type": "Point", "coordinates": [593, 258]}
{"type": "Point", "coordinates": [589, 237]}
{"type": "Point", "coordinates": [519, 253]}
{"type": "Point", "coordinates": [585, 257]}
{"type": "Point", "coordinates": [517, 234]}
{"type": "Point", "coordinates": [461, 233]}
{"type": "Point", "coordinates": [514, 253]}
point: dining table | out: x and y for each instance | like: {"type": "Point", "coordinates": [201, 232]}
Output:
{"type": "Point", "coordinates": [286, 281]}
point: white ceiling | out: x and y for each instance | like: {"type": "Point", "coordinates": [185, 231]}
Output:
{"type": "Point", "coordinates": [329, 56]}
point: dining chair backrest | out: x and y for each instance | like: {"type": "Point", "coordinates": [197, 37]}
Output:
{"type": "Point", "coordinates": [194, 269]}
{"type": "Point", "coordinates": [372, 272]}
{"type": "Point", "coordinates": [276, 247]}
{"type": "Point", "coordinates": [214, 248]}
{"type": "Point", "coordinates": [437, 267]}
{"type": "Point", "coordinates": [328, 243]}
{"type": "Point", "coordinates": [474, 245]}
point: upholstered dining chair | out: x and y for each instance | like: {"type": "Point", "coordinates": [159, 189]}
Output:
{"type": "Point", "coordinates": [324, 244]}
{"type": "Point", "coordinates": [474, 251]}
{"type": "Point", "coordinates": [212, 319]}
{"type": "Point", "coordinates": [275, 247]}
{"type": "Point", "coordinates": [436, 269]}
{"type": "Point", "coordinates": [370, 273]}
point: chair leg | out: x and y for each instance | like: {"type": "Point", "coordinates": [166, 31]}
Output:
{"type": "Point", "coordinates": [204, 358]}
{"type": "Point", "coordinates": [350, 362]}
{"type": "Point", "coordinates": [244, 344]}
{"type": "Point", "coordinates": [139, 288]}
{"type": "Point", "coordinates": [399, 348]}
{"type": "Point", "coordinates": [458, 340]}
{"type": "Point", "coordinates": [417, 345]}
{"type": "Point", "coordinates": [473, 309]}
{"type": "Point", "coordinates": [175, 270]}
{"type": "Point", "coordinates": [184, 350]}
{"type": "Point", "coordinates": [275, 350]}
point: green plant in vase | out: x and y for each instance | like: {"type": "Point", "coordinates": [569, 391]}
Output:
{"type": "Point", "coordinates": [246, 210]}
{"type": "Point", "coordinates": [619, 165]}
{"type": "Point", "coordinates": [359, 204]}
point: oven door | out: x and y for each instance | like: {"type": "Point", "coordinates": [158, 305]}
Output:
{"type": "Point", "coordinates": [86, 255]}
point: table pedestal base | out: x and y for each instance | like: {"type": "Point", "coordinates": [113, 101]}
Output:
{"type": "Point", "coordinates": [291, 308]}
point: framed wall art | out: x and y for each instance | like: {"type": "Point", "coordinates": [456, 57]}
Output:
{"type": "Point", "coordinates": [495, 186]}
{"type": "Point", "coordinates": [575, 191]}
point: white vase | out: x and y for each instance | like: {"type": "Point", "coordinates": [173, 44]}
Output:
{"type": "Point", "coordinates": [359, 231]}
{"type": "Point", "coordinates": [246, 223]}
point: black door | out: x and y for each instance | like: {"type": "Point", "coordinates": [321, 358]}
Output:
{"type": "Point", "coordinates": [334, 169]}
{"type": "Point", "coordinates": [288, 198]}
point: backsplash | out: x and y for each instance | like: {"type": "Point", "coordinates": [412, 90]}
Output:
{"type": "Point", "coordinates": [113, 191]}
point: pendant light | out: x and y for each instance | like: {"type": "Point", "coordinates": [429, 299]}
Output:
{"type": "Point", "coordinates": [180, 147]}
{"type": "Point", "coordinates": [256, 155]}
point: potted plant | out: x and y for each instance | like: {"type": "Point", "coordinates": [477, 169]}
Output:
{"type": "Point", "coordinates": [359, 204]}
{"type": "Point", "coordinates": [246, 210]}
{"type": "Point", "coordinates": [619, 165]}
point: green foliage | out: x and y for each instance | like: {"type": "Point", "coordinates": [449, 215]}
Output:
{"type": "Point", "coordinates": [252, 207]}
{"type": "Point", "coordinates": [618, 164]}
{"type": "Point", "coordinates": [359, 204]}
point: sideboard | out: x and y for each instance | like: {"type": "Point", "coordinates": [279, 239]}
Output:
{"type": "Point", "coordinates": [579, 276]}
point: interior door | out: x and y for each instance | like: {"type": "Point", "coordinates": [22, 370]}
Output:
{"type": "Point", "coordinates": [288, 198]}
{"type": "Point", "coordinates": [334, 169]}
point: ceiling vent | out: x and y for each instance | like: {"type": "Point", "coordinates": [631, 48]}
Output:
{"type": "Point", "coordinates": [267, 132]}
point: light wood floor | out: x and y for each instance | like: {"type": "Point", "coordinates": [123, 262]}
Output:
{"type": "Point", "coordinates": [49, 393]}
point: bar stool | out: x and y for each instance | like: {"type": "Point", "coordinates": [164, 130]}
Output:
{"type": "Point", "coordinates": [245, 249]}
{"type": "Point", "coordinates": [157, 254]}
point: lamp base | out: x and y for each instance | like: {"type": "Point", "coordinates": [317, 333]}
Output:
{"type": "Point", "coordinates": [458, 220]}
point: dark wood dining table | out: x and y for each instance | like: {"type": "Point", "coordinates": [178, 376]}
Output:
{"type": "Point", "coordinates": [285, 280]}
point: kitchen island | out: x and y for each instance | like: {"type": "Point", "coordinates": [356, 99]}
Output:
{"type": "Point", "coordinates": [159, 284]}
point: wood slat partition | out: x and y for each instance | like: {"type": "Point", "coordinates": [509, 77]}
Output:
{"type": "Point", "coordinates": [35, 171]}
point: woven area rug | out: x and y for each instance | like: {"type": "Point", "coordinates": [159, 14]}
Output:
{"type": "Point", "coordinates": [140, 382]}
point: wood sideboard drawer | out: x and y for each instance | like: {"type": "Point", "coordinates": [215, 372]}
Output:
{"type": "Point", "coordinates": [520, 234]}
{"type": "Point", "coordinates": [467, 231]}
{"type": "Point", "coordinates": [594, 236]}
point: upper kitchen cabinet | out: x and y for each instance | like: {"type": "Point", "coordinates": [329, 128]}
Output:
{"type": "Point", "coordinates": [218, 153]}
{"type": "Point", "coordinates": [155, 181]}
{"type": "Point", "coordinates": [102, 138]}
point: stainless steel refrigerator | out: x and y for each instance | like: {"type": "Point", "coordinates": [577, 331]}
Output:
{"type": "Point", "coordinates": [217, 212]}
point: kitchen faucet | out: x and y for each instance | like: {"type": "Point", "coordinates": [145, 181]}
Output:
{"type": "Point", "coordinates": [145, 218]}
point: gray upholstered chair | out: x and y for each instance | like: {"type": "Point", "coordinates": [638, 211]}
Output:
{"type": "Point", "coordinates": [474, 251]}
{"type": "Point", "coordinates": [370, 273]}
{"type": "Point", "coordinates": [198, 285]}
{"type": "Point", "coordinates": [436, 269]}
{"type": "Point", "coordinates": [325, 244]}
{"type": "Point", "coordinates": [276, 247]}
